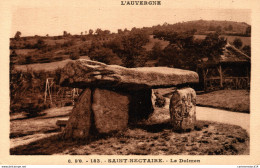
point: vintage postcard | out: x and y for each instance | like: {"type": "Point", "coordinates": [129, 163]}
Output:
{"type": "Point", "coordinates": [115, 82]}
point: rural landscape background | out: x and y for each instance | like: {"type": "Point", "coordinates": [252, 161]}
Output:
{"type": "Point", "coordinates": [36, 60]}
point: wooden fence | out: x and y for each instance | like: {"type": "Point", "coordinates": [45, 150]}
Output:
{"type": "Point", "coordinates": [213, 83]}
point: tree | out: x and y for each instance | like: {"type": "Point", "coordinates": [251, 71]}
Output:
{"type": "Point", "coordinates": [102, 54]}
{"type": "Point", "coordinates": [211, 28]}
{"type": "Point", "coordinates": [165, 24]}
{"type": "Point", "coordinates": [84, 50]}
{"type": "Point", "coordinates": [84, 38]}
{"type": "Point", "coordinates": [132, 45]}
{"type": "Point", "coordinates": [106, 32]}
{"type": "Point", "coordinates": [65, 33]}
{"type": "Point", "coordinates": [90, 31]}
{"type": "Point", "coordinates": [115, 45]}
{"type": "Point", "coordinates": [218, 29]}
{"type": "Point", "coordinates": [28, 59]}
{"type": "Point", "coordinates": [176, 53]}
{"type": "Point", "coordinates": [182, 40]}
{"type": "Point", "coordinates": [237, 43]}
{"type": "Point", "coordinates": [119, 31]}
{"type": "Point", "coordinates": [171, 57]}
{"type": "Point", "coordinates": [134, 29]}
{"type": "Point", "coordinates": [40, 44]}
{"type": "Point", "coordinates": [156, 51]}
{"type": "Point", "coordinates": [99, 32]}
{"type": "Point", "coordinates": [193, 31]}
{"type": "Point", "coordinates": [212, 47]}
{"type": "Point", "coordinates": [13, 54]}
{"type": "Point", "coordinates": [95, 44]}
{"type": "Point", "coordinates": [185, 52]}
{"type": "Point", "coordinates": [230, 27]}
{"type": "Point", "coordinates": [17, 35]}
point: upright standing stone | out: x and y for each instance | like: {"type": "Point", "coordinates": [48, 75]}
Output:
{"type": "Point", "coordinates": [79, 123]}
{"type": "Point", "coordinates": [110, 110]}
{"type": "Point", "coordinates": [183, 109]}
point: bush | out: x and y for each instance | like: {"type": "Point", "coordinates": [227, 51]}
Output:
{"type": "Point", "coordinates": [58, 58]}
{"type": "Point", "coordinates": [102, 54]}
{"type": "Point", "coordinates": [27, 91]}
{"type": "Point", "coordinates": [247, 50]}
{"type": "Point", "coordinates": [28, 60]}
{"type": "Point", "coordinates": [83, 38]}
{"type": "Point", "coordinates": [160, 100]}
{"type": "Point", "coordinates": [74, 56]}
{"type": "Point", "coordinates": [32, 105]}
{"type": "Point", "coordinates": [237, 43]}
{"type": "Point", "coordinates": [44, 60]}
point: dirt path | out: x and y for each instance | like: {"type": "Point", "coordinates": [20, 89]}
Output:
{"type": "Point", "coordinates": [29, 139]}
{"type": "Point", "coordinates": [151, 137]}
{"type": "Point", "coordinates": [42, 127]}
{"type": "Point", "coordinates": [223, 116]}
{"type": "Point", "coordinates": [26, 130]}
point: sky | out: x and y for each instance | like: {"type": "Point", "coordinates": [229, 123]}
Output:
{"type": "Point", "coordinates": [53, 20]}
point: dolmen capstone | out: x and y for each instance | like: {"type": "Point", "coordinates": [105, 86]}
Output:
{"type": "Point", "coordinates": [114, 96]}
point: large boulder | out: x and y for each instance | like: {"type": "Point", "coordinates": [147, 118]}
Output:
{"type": "Point", "coordinates": [106, 111]}
{"type": "Point", "coordinates": [85, 73]}
{"type": "Point", "coordinates": [80, 121]}
{"type": "Point", "coordinates": [110, 110]}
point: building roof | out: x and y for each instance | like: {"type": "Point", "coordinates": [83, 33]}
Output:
{"type": "Point", "coordinates": [231, 54]}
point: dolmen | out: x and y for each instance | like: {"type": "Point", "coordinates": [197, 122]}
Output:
{"type": "Point", "coordinates": [114, 96]}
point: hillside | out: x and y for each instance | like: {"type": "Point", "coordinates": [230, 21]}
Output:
{"type": "Point", "coordinates": [37, 49]}
{"type": "Point", "coordinates": [205, 27]}
{"type": "Point", "coordinates": [33, 59]}
{"type": "Point", "coordinates": [230, 39]}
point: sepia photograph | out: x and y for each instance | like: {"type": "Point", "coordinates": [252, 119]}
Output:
{"type": "Point", "coordinates": [145, 82]}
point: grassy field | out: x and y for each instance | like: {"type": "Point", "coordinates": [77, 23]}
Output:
{"type": "Point", "coordinates": [25, 130]}
{"type": "Point", "coordinates": [24, 51]}
{"type": "Point", "coordinates": [230, 39]}
{"type": "Point", "coordinates": [245, 40]}
{"type": "Point", "coordinates": [22, 126]}
{"type": "Point", "coordinates": [151, 137]}
{"type": "Point", "coordinates": [46, 66]}
{"type": "Point", "coordinates": [152, 41]}
{"type": "Point", "coordinates": [53, 42]}
{"type": "Point", "coordinates": [233, 100]}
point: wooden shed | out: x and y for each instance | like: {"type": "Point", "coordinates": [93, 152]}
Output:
{"type": "Point", "coordinates": [231, 71]}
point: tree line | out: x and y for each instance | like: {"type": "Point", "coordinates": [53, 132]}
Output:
{"type": "Point", "coordinates": [183, 51]}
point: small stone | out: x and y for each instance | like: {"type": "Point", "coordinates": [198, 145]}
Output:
{"type": "Point", "coordinates": [183, 109]}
